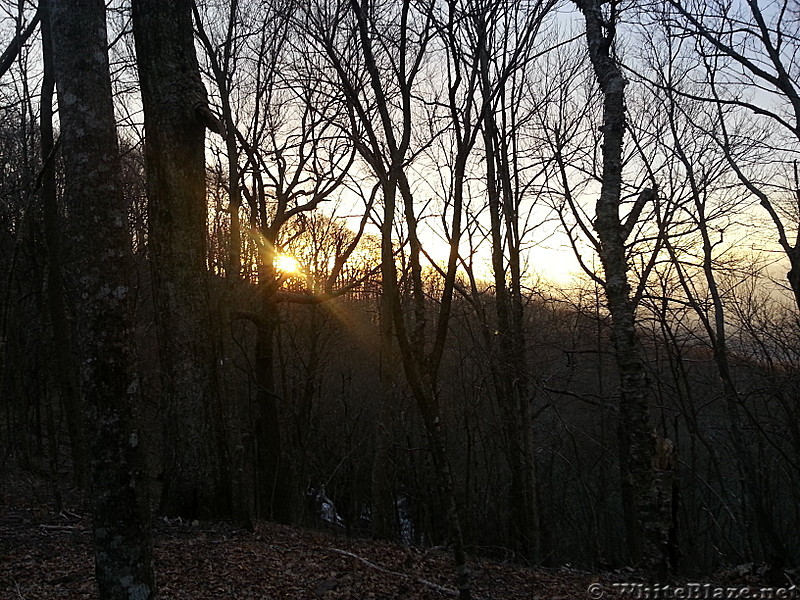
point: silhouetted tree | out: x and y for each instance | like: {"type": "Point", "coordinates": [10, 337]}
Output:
{"type": "Point", "coordinates": [176, 115]}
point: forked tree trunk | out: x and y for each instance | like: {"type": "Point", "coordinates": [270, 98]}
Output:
{"type": "Point", "coordinates": [645, 492]}
{"type": "Point", "coordinates": [174, 100]}
{"type": "Point", "coordinates": [101, 276]}
{"type": "Point", "coordinates": [421, 376]}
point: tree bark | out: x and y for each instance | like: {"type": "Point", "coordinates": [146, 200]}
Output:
{"type": "Point", "coordinates": [643, 492]}
{"type": "Point", "coordinates": [67, 370]}
{"type": "Point", "coordinates": [176, 114]}
{"type": "Point", "coordinates": [100, 274]}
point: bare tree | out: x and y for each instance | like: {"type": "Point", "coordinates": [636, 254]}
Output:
{"type": "Point", "coordinates": [98, 231]}
{"type": "Point", "coordinates": [505, 47]}
{"type": "Point", "coordinates": [22, 33]}
{"type": "Point", "coordinates": [751, 46]}
{"type": "Point", "coordinates": [711, 201]}
{"type": "Point", "coordinates": [286, 162]}
{"type": "Point", "coordinates": [377, 74]}
{"type": "Point", "coordinates": [643, 493]}
{"type": "Point", "coordinates": [223, 60]}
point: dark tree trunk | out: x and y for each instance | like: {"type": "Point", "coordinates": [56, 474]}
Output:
{"type": "Point", "coordinates": [421, 372]}
{"type": "Point", "coordinates": [221, 69]}
{"type": "Point", "coordinates": [66, 369]}
{"type": "Point", "coordinates": [793, 275]}
{"type": "Point", "coordinates": [383, 501]}
{"type": "Point", "coordinates": [509, 370]}
{"type": "Point", "coordinates": [509, 366]}
{"type": "Point", "coordinates": [273, 481]}
{"type": "Point", "coordinates": [100, 274]}
{"type": "Point", "coordinates": [175, 110]}
{"type": "Point", "coordinates": [646, 523]}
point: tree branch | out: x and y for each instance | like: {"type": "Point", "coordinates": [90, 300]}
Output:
{"type": "Point", "coordinates": [10, 55]}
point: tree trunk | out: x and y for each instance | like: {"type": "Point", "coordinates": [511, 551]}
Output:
{"type": "Point", "coordinates": [509, 368]}
{"type": "Point", "coordinates": [224, 77]}
{"type": "Point", "coordinates": [176, 114]}
{"type": "Point", "coordinates": [383, 501]}
{"type": "Point", "coordinates": [101, 273]}
{"type": "Point", "coordinates": [511, 385]}
{"type": "Point", "coordinates": [273, 483]}
{"type": "Point", "coordinates": [793, 275]}
{"type": "Point", "coordinates": [66, 369]}
{"type": "Point", "coordinates": [646, 522]}
{"type": "Point", "coordinates": [421, 370]}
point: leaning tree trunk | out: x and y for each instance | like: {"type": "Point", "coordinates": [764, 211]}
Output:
{"type": "Point", "coordinates": [100, 275]}
{"type": "Point", "coordinates": [175, 117]}
{"type": "Point", "coordinates": [644, 492]}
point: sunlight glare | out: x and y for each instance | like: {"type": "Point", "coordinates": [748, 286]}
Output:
{"type": "Point", "coordinates": [286, 264]}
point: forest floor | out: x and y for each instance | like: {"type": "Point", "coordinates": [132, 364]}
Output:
{"type": "Point", "coordinates": [46, 555]}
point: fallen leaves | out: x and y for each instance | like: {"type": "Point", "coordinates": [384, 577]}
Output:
{"type": "Point", "coordinates": [44, 561]}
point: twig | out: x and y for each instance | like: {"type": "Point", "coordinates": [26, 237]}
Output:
{"type": "Point", "coordinates": [61, 528]}
{"type": "Point", "coordinates": [66, 514]}
{"type": "Point", "coordinates": [434, 586]}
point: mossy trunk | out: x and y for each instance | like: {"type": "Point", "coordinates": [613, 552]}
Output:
{"type": "Point", "coordinates": [174, 101]}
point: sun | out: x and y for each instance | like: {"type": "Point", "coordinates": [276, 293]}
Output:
{"type": "Point", "coordinates": [286, 264]}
